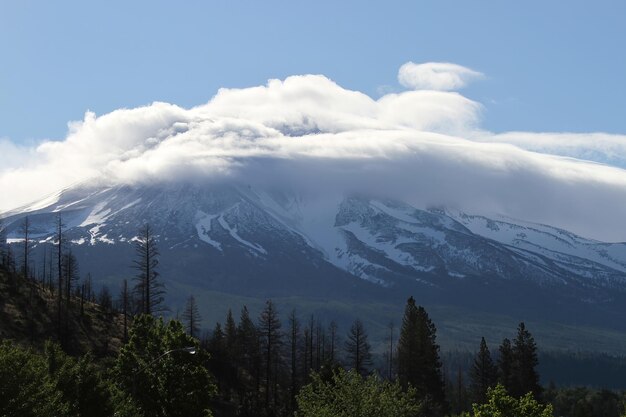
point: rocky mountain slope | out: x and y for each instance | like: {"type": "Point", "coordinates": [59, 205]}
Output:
{"type": "Point", "coordinates": [267, 243]}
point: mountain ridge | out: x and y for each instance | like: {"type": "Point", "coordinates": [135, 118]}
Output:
{"type": "Point", "coordinates": [246, 241]}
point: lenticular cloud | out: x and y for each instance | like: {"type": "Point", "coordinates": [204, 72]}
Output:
{"type": "Point", "coordinates": [310, 134]}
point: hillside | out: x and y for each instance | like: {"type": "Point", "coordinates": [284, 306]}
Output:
{"type": "Point", "coordinates": [28, 316]}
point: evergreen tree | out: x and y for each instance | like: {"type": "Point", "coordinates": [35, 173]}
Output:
{"type": "Point", "coordinates": [526, 377]}
{"type": "Point", "coordinates": [217, 347]}
{"type": "Point", "coordinates": [70, 276]}
{"type": "Point", "coordinates": [105, 300]}
{"type": "Point", "coordinates": [460, 399]}
{"type": "Point", "coordinates": [124, 303]}
{"type": "Point", "coordinates": [230, 332]}
{"type": "Point", "coordinates": [332, 332]}
{"type": "Point", "coordinates": [358, 348]}
{"type": "Point", "coordinates": [191, 317]}
{"type": "Point", "coordinates": [148, 287]}
{"type": "Point", "coordinates": [483, 375]}
{"type": "Point", "coordinates": [294, 326]}
{"type": "Point", "coordinates": [419, 364]}
{"type": "Point", "coordinates": [271, 341]}
{"type": "Point", "coordinates": [505, 366]}
{"type": "Point", "coordinates": [249, 358]}
{"type": "Point", "coordinates": [390, 353]}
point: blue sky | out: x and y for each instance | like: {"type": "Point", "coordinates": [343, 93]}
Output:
{"type": "Point", "coordinates": [549, 66]}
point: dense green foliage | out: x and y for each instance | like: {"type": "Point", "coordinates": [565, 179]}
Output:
{"type": "Point", "coordinates": [162, 377]}
{"type": "Point", "coordinates": [501, 404]}
{"type": "Point", "coordinates": [585, 402]}
{"type": "Point", "coordinates": [26, 386]}
{"type": "Point", "coordinates": [348, 394]}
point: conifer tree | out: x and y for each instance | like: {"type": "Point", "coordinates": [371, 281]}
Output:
{"type": "Point", "coordinates": [105, 300]}
{"type": "Point", "coordinates": [271, 341]}
{"type": "Point", "coordinates": [332, 332]}
{"type": "Point", "coordinates": [310, 343]}
{"type": "Point", "coordinates": [294, 326]}
{"type": "Point", "coordinates": [358, 348]}
{"type": "Point", "coordinates": [124, 305]}
{"type": "Point", "coordinates": [191, 317]}
{"type": "Point", "coordinates": [505, 366]}
{"type": "Point", "coordinates": [419, 364]}
{"type": "Point", "coordinates": [526, 377]}
{"type": "Point", "coordinates": [390, 353]}
{"type": "Point", "coordinates": [216, 342]}
{"type": "Point", "coordinates": [483, 375]}
{"type": "Point", "coordinates": [70, 276]}
{"type": "Point", "coordinates": [249, 359]}
{"type": "Point", "coordinates": [230, 332]}
{"type": "Point", "coordinates": [148, 287]}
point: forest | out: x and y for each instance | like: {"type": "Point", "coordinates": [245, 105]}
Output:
{"type": "Point", "coordinates": [69, 349]}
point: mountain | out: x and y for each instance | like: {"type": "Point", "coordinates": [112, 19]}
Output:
{"type": "Point", "coordinates": [242, 242]}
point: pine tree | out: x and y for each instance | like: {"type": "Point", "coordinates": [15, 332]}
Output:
{"type": "Point", "coordinates": [419, 364]}
{"type": "Point", "coordinates": [358, 348]}
{"type": "Point", "coordinates": [105, 300]}
{"type": "Point", "coordinates": [390, 353]}
{"type": "Point", "coordinates": [526, 378]}
{"type": "Point", "coordinates": [294, 326]}
{"type": "Point", "coordinates": [249, 358]}
{"type": "Point", "coordinates": [483, 375]}
{"type": "Point", "coordinates": [332, 331]}
{"type": "Point", "coordinates": [230, 332]}
{"type": "Point", "coordinates": [191, 317]}
{"type": "Point", "coordinates": [124, 305]}
{"type": "Point", "coordinates": [271, 341]}
{"type": "Point", "coordinates": [505, 366]}
{"type": "Point", "coordinates": [217, 347]}
{"type": "Point", "coordinates": [148, 287]}
{"type": "Point", "coordinates": [70, 276]}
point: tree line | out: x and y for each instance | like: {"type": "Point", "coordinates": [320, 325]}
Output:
{"type": "Point", "coordinates": [253, 366]}
{"type": "Point", "coordinates": [58, 273]}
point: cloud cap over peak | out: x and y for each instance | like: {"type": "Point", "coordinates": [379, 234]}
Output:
{"type": "Point", "coordinates": [440, 76]}
{"type": "Point", "coordinates": [424, 147]}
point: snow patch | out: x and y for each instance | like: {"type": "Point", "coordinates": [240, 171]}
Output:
{"type": "Point", "coordinates": [203, 227]}
{"type": "Point", "coordinates": [233, 232]}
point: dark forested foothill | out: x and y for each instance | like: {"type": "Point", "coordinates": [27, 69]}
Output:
{"type": "Point", "coordinates": [70, 349]}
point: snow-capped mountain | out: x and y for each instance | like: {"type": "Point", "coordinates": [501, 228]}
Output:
{"type": "Point", "coordinates": [250, 241]}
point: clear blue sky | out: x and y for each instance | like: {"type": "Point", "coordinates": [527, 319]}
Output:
{"type": "Point", "coordinates": [550, 65]}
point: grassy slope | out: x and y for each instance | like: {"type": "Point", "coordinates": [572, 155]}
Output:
{"type": "Point", "coordinates": [28, 315]}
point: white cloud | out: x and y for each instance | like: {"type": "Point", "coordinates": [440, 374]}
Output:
{"type": "Point", "coordinates": [602, 148]}
{"type": "Point", "coordinates": [436, 76]}
{"type": "Point", "coordinates": [306, 132]}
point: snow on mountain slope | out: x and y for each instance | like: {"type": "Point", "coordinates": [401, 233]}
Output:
{"type": "Point", "coordinates": [382, 241]}
{"type": "Point", "coordinates": [556, 244]}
